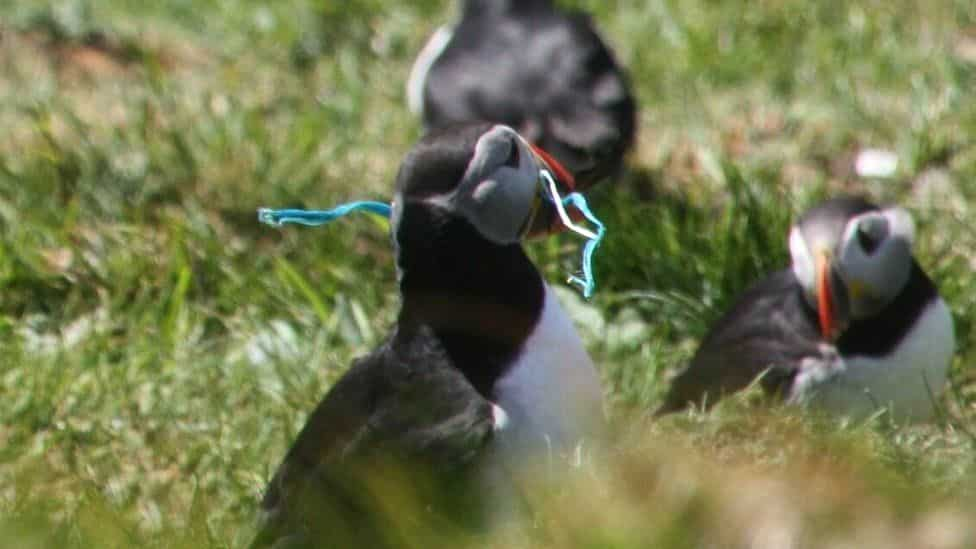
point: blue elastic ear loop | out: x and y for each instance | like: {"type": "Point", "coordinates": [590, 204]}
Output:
{"type": "Point", "coordinates": [587, 282]}
{"type": "Point", "coordinates": [550, 190]}
{"type": "Point", "coordinates": [314, 218]}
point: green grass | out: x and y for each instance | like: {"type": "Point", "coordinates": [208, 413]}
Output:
{"type": "Point", "coordinates": [160, 349]}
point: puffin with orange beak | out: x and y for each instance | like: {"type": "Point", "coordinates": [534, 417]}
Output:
{"type": "Point", "coordinates": [482, 372]}
{"type": "Point", "coordinates": [854, 326]}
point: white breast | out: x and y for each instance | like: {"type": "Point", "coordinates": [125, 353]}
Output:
{"type": "Point", "coordinates": [908, 381]}
{"type": "Point", "coordinates": [552, 394]}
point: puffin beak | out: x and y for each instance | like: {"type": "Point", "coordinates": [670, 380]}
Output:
{"type": "Point", "coordinates": [826, 301]}
{"type": "Point", "coordinates": [543, 218]}
{"type": "Point", "coordinates": [561, 174]}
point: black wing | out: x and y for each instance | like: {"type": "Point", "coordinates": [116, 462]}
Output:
{"type": "Point", "coordinates": [548, 75]}
{"type": "Point", "coordinates": [398, 422]}
{"type": "Point", "coordinates": [770, 330]}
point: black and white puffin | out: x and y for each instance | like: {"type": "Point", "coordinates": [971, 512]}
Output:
{"type": "Point", "coordinates": [853, 327]}
{"type": "Point", "coordinates": [482, 370]}
{"type": "Point", "coordinates": [542, 70]}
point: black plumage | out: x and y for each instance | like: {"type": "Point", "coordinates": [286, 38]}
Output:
{"type": "Point", "coordinates": [480, 298]}
{"type": "Point", "coordinates": [772, 330]}
{"type": "Point", "coordinates": [410, 425]}
{"type": "Point", "coordinates": [540, 69]}
{"type": "Point", "coordinates": [770, 327]}
{"type": "Point", "coordinates": [402, 424]}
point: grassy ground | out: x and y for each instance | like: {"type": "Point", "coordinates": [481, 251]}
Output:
{"type": "Point", "coordinates": [160, 349]}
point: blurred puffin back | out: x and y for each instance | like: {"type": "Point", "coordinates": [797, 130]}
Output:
{"type": "Point", "coordinates": [541, 70]}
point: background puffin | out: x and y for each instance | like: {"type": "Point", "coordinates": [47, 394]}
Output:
{"type": "Point", "coordinates": [541, 70]}
{"type": "Point", "coordinates": [855, 325]}
{"type": "Point", "coordinates": [482, 371]}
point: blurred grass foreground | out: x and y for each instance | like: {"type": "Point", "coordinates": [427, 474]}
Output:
{"type": "Point", "coordinates": [160, 349]}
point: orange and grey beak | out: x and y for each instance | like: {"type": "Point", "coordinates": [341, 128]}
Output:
{"type": "Point", "coordinates": [561, 174]}
{"type": "Point", "coordinates": [831, 299]}
{"type": "Point", "coordinates": [543, 219]}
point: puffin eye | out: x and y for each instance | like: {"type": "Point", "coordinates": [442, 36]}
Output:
{"type": "Point", "coordinates": [513, 157]}
{"type": "Point", "coordinates": [869, 236]}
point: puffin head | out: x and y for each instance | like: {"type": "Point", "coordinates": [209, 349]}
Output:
{"type": "Point", "coordinates": [852, 259]}
{"type": "Point", "coordinates": [482, 175]}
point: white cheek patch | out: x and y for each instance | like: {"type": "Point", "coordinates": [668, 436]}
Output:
{"type": "Point", "coordinates": [875, 278]}
{"type": "Point", "coordinates": [499, 417]}
{"type": "Point", "coordinates": [491, 149]}
{"type": "Point", "coordinates": [850, 252]}
{"type": "Point", "coordinates": [484, 189]}
{"type": "Point", "coordinates": [803, 264]}
{"type": "Point", "coordinates": [901, 224]}
{"type": "Point", "coordinates": [493, 196]}
{"type": "Point", "coordinates": [491, 193]}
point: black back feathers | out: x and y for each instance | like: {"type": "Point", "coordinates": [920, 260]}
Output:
{"type": "Point", "coordinates": [546, 73]}
{"type": "Point", "coordinates": [416, 414]}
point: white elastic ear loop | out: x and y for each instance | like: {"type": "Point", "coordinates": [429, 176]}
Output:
{"type": "Point", "coordinates": [561, 210]}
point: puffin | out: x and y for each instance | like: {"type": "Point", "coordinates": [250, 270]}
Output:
{"type": "Point", "coordinates": [537, 68]}
{"type": "Point", "coordinates": [483, 371]}
{"type": "Point", "coordinates": [854, 326]}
